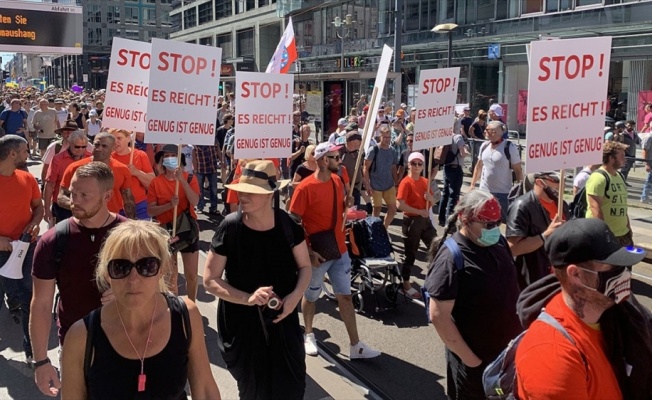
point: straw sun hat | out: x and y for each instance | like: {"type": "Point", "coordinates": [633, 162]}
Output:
{"type": "Point", "coordinates": [258, 177]}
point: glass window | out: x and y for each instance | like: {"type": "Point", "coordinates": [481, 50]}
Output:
{"type": "Point", "coordinates": [131, 14]}
{"type": "Point", "coordinates": [385, 22]}
{"type": "Point", "coordinates": [132, 33]}
{"type": "Point", "coordinates": [580, 3]}
{"type": "Point", "coordinates": [205, 13]}
{"type": "Point", "coordinates": [552, 5]}
{"type": "Point", "coordinates": [226, 44]}
{"type": "Point", "coordinates": [507, 9]}
{"type": "Point", "coordinates": [432, 10]}
{"type": "Point", "coordinates": [318, 23]}
{"type": "Point", "coordinates": [206, 41]}
{"type": "Point", "coordinates": [532, 6]}
{"type": "Point", "coordinates": [223, 8]}
{"type": "Point", "coordinates": [149, 16]}
{"type": "Point", "coordinates": [175, 22]}
{"type": "Point", "coordinates": [446, 10]}
{"type": "Point", "coordinates": [262, 3]}
{"type": "Point", "coordinates": [461, 12]}
{"type": "Point", "coordinates": [190, 18]}
{"type": "Point", "coordinates": [485, 10]}
{"type": "Point", "coordinates": [412, 14]}
{"type": "Point", "coordinates": [245, 42]}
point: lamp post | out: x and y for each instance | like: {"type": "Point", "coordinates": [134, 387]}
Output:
{"type": "Point", "coordinates": [447, 28]}
{"type": "Point", "coordinates": [339, 23]}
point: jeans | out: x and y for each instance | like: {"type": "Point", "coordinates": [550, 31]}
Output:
{"type": "Point", "coordinates": [647, 187]}
{"type": "Point", "coordinates": [462, 381]}
{"type": "Point", "coordinates": [629, 163]}
{"type": "Point", "coordinates": [415, 229]}
{"type": "Point", "coordinates": [19, 293]}
{"type": "Point", "coordinates": [504, 204]}
{"type": "Point", "coordinates": [453, 179]}
{"type": "Point", "coordinates": [475, 149]}
{"type": "Point", "coordinates": [285, 169]}
{"type": "Point", "coordinates": [212, 187]}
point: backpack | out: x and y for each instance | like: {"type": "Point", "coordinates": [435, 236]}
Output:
{"type": "Point", "coordinates": [580, 204]}
{"type": "Point", "coordinates": [499, 378]}
{"type": "Point", "coordinates": [379, 244]}
{"type": "Point", "coordinates": [443, 154]}
{"type": "Point", "coordinates": [458, 260]}
{"type": "Point", "coordinates": [508, 154]}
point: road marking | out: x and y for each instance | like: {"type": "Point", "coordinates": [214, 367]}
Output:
{"type": "Point", "coordinates": [642, 276]}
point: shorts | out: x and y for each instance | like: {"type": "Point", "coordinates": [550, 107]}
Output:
{"type": "Point", "coordinates": [388, 195]}
{"type": "Point", "coordinates": [193, 248]}
{"type": "Point", "coordinates": [339, 275]}
{"type": "Point", "coordinates": [44, 143]}
{"type": "Point", "coordinates": [141, 211]}
{"type": "Point", "coordinates": [33, 134]}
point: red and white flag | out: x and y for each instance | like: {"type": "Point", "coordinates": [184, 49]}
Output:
{"type": "Point", "coordinates": [285, 53]}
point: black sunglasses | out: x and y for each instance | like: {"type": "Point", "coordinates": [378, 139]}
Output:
{"type": "Point", "coordinates": [146, 267]}
{"type": "Point", "coordinates": [490, 225]}
{"type": "Point", "coordinates": [416, 164]}
{"type": "Point", "coordinates": [336, 158]}
{"type": "Point", "coordinates": [79, 147]}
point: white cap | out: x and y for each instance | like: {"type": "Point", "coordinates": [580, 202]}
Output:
{"type": "Point", "coordinates": [416, 156]}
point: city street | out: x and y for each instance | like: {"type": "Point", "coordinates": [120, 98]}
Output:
{"type": "Point", "coordinates": [412, 365]}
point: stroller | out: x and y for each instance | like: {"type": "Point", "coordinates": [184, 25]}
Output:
{"type": "Point", "coordinates": [373, 267]}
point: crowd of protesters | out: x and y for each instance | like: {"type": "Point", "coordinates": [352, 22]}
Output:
{"type": "Point", "coordinates": [110, 200]}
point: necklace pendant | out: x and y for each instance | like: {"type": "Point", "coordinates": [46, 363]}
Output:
{"type": "Point", "coordinates": [93, 238]}
{"type": "Point", "coordinates": [142, 378]}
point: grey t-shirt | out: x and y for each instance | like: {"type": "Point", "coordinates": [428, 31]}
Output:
{"type": "Point", "coordinates": [380, 171]}
{"type": "Point", "coordinates": [496, 172]}
{"type": "Point", "coordinates": [456, 147]}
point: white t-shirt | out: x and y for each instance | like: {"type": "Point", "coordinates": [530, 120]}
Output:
{"type": "Point", "coordinates": [187, 151]}
{"type": "Point", "coordinates": [94, 129]}
{"type": "Point", "coordinates": [496, 170]}
{"type": "Point", "coordinates": [62, 116]}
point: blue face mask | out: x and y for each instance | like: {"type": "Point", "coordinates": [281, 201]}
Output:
{"type": "Point", "coordinates": [170, 162]}
{"type": "Point", "coordinates": [489, 237]}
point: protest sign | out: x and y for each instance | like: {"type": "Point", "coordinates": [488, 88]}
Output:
{"type": "Point", "coordinates": [182, 97]}
{"type": "Point", "coordinates": [379, 87]}
{"type": "Point", "coordinates": [264, 115]}
{"type": "Point", "coordinates": [566, 102]}
{"type": "Point", "coordinates": [125, 106]}
{"type": "Point", "coordinates": [436, 108]}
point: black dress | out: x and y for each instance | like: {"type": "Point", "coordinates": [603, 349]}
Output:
{"type": "Point", "coordinates": [266, 359]}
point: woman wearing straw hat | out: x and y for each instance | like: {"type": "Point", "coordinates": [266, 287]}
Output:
{"type": "Point", "coordinates": [265, 256]}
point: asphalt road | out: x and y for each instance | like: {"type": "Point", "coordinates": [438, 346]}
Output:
{"type": "Point", "coordinates": [412, 365]}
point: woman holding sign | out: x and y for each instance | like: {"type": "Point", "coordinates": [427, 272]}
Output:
{"type": "Point", "coordinates": [141, 170]}
{"type": "Point", "coordinates": [161, 201]}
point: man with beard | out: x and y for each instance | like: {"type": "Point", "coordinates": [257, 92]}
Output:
{"type": "Point", "coordinates": [122, 199]}
{"type": "Point", "coordinates": [314, 201]}
{"type": "Point", "coordinates": [21, 212]}
{"type": "Point", "coordinates": [531, 219]}
{"type": "Point", "coordinates": [606, 193]}
{"type": "Point", "coordinates": [91, 189]}
{"type": "Point", "coordinates": [76, 150]}
{"type": "Point", "coordinates": [571, 361]}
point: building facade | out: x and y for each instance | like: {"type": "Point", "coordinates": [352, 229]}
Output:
{"type": "Point", "coordinates": [489, 44]}
{"type": "Point", "coordinates": [105, 19]}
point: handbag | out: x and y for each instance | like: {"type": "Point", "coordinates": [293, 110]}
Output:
{"type": "Point", "coordinates": [187, 232]}
{"type": "Point", "coordinates": [324, 242]}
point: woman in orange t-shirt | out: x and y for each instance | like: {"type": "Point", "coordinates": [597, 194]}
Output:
{"type": "Point", "coordinates": [141, 170]}
{"type": "Point", "coordinates": [160, 205]}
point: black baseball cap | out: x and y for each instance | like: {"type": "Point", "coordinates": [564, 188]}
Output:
{"type": "Point", "coordinates": [587, 239]}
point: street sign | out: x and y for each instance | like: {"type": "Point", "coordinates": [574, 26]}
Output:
{"type": "Point", "coordinates": [85, 78]}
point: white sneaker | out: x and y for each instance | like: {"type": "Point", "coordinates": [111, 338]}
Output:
{"type": "Point", "coordinates": [362, 350]}
{"type": "Point", "coordinates": [310, 343]}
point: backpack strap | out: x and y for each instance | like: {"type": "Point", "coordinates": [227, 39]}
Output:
{"type": "Point", "coordinates": [608, 179]}
{"type": "Point", "coordinates": [91, 326]}
{"type": "Point", "coordinates": [552, 321]}
{"type": "Point", "coordinates": [185, 317]}
{"type": "Point", "coordinates": [61, 235]}
{"type": "Point", "coordinates": [455, 250]}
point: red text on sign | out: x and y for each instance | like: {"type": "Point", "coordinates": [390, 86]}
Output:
{"type": "Point", "coordinates": [438, 85]}
{"type": "Point", "coordinates": [435, 112]}
{"type": "Point", "coordinates": [264, 90]}
{"type": "Point", "coordinates": [263, 143]}
{"type": "Point", "coordinates": [263, 119]}
{"type": "Point", "coordinates": [130, 88]}
{"type": "Point", "coordinates": [569, 67]}
{"type": "Point", "coordinates": [191, 99]}
{"type": "Point", "coordinates": [567, 111]}
{"type": "Point", "coordinates": [190, 65]}
{"type": "Point", "coordinates": [435, 133]}
{"type": "Point", "coordinates": [123, 113]}
{"type": "Point", "coordinates": [133, 58]}
{"type": "Point", "coordinates": [167, 126]}
{"type": "Point", "coordinates": [564, 147]}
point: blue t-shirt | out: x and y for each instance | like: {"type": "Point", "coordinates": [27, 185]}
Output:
{"type": "Point", "coordinates": [14, 121]}
{"type": "Point", "coordinates": [380, 174]}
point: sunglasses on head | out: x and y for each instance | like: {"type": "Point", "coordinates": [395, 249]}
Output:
{"type": "Point", "coordinates": [121, 268]}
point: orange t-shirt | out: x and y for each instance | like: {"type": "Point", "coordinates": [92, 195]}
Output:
{"type": "Point", "coordinates": [161, 191]}
{"type": "Point", "coordinates": [549, 366]}
{"type": "Point", "coordinates": [121, 180]}
{"type": "Point", "coordinates": [313, 202]}
{"type": "Point", "coordinates": [232, 195]}
{"type": "Point", "coordinates": [551, 208]}
{"type": "Point", "coordinates": [20, 190]}
{"type": "Point", "coordinates": [141, 161]}
{"type": "Point", "coordinates": [345, 175]}
{"type": "Point", "coordinates": [412, 192]}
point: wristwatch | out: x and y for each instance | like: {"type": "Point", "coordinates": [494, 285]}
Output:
{"type": "Point", "coordinates": [36, 364]}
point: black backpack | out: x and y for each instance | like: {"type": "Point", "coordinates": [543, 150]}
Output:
{"type": "Point", "coordinates": [443, 154]}
{"type": "Point", "coordinates": [579, 205]}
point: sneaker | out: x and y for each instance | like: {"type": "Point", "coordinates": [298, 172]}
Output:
{"type": "Point", "coordinates": [362, 350]}
{"type": "Point", "coordinates": [310, 343]}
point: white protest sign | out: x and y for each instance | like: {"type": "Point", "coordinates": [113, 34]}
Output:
{"type": "Point", "coordinates": [567, 91]}
{"type": "Point", "coordinates": [379, 87]}
{"type": "Point", "coordinates": [125, 105]}
{"type": "Point", "coordinates": [263, 115]}
{"type": "Point", "coordinates": [183, 88]}
{"type": "Point", "coordinates": [436, 108]}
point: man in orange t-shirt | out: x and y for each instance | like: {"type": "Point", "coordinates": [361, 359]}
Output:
{"type": "Point", "coordinates": [413, 194]}
{"type": "Point", "coordinates": [592, 268]}
{"type": "Point", "coordinates": [313, 201]}
{"type": "Point", "coordinates": [531, 219]}
{"type": "Point", "coordinates": [21, 211]}
{"type": "Point", "coordinates": [122, 198]}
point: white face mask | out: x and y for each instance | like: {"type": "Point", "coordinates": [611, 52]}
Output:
{"type": "Point", "coordinates": [614, 284]}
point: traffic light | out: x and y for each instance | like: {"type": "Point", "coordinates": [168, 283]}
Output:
{"type": "Point", "coordinates": [5, 75]}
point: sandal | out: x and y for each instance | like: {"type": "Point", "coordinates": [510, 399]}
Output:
{"type": "Point", "coordinates": [412, 293]}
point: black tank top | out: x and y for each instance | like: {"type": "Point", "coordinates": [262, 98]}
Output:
{"type": "Point", "coordinates": [112, 376]}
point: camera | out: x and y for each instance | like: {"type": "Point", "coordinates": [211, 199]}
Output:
{"type": "Point", "coordinates": [274, 302]}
